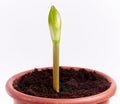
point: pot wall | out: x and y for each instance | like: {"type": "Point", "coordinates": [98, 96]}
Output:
{"type": "Point", "coordinates": [19, 102]}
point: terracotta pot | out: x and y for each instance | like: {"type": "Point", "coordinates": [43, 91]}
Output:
{"type": "Point", "coordinates": [20, 98]}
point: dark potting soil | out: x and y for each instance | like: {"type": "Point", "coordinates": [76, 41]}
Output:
{"type": "Point", "coordinates": [73, 84]}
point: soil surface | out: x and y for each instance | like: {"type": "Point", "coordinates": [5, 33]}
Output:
{"type": "Point", "coordinates": [73, 84]}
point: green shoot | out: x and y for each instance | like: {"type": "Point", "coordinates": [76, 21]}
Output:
{"type": "Point", "coordinates": [54, 21]}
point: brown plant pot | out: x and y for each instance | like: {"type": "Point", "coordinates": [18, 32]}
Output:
{"type": "Point", "coordinates": [21, 98]}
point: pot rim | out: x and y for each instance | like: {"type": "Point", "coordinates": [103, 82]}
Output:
{"type": "Point", "coordinates": [101, 97]}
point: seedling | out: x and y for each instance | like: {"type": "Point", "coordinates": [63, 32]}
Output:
{"type": "Point", "coordinates": [54, 21]}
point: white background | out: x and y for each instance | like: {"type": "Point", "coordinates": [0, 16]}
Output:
{"type": "Point", "coordinates": [90, 37]}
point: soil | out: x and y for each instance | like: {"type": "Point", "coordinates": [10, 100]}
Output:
{"type": "Point", "coordinates": [73, 84]}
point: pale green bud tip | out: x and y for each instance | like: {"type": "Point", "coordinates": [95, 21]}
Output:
{"type": "Point", "coordinates": [54, 20]}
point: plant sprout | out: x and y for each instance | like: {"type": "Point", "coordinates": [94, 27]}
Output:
{"type": "Point", "coordinates": [54, 21]}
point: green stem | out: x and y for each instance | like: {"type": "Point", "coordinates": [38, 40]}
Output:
{"type": "Point", "coordinates": [56, 66]}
